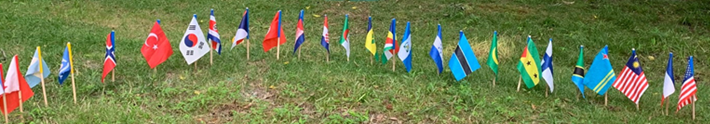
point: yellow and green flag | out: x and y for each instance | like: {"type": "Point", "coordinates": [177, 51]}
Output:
{"type": "Point", "coordinates": [369, 41]}
{"type": "Point", "coordinates": [529, 65]}
{"type": "Point", "coordinates": [493, 54]}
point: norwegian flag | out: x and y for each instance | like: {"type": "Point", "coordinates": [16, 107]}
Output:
{"type": "Point", "coordinates": [110, 61]}
{"type": "Point", "coordinates": [632, 81]}
{"type": "Point", "coordinates": [213, 34]}
{"type": "Point", "coordinates": [688, 89]}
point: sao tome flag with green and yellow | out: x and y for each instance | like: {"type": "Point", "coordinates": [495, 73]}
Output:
{"type": "Point", "coordinates": [529, 65]}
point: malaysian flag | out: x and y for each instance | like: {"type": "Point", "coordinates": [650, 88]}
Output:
{"type": "Point", "coordinates": [688, 89]}
{"type": "Point", "coordinates": [632, 81]}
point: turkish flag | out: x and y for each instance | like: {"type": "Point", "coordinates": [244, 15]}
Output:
{"type": "Point", "coordinates": [275, 32]}
{"type": "Point", "coordinates": [156, 48]}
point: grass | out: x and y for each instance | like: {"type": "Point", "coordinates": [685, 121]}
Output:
{"type": "Point", "coordinates": [310, 90]}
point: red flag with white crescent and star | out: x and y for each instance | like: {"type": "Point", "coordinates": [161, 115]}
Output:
{"type": "Point", "coordinates": [156, 48]}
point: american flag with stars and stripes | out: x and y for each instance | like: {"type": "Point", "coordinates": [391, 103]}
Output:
{"type": "Point", "coordinates": [688, 89]}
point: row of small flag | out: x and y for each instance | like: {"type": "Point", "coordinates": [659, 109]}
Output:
{"type": "Point", "coordinates": [193, 46]}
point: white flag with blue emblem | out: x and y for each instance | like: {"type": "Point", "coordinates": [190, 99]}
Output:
{"type": "Point", "coordinates": [193, 44]}
{"type": "Point", "coordinates": [406, 49]}
{"type": "Point", "coordinates": [65, 68]}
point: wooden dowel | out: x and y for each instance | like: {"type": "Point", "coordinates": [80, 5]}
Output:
{"type": "Point", "coordinates": [211, 56]}
{"type": "Point", "coordinates": [519, 82]}
{"type": "Point", "coordinates": [278, 47]}
{"type": "Point", "coordinates": [4, 103]}
{"type": "Point", "coordinates": [113, 76]}
{"type": "Point", "coordinates": [606, 100]}
{"type": "Point", "coordinates": [393, 64]}
{"type": "Point", "coordinates": [22, 110]}
{"type": "Point", "coordinates": [692, 100]}
{"type": "Point", "coordinates": [494, 82]}
{"type": "Point", "coordinates": [73, 87]}
{"type": "Point", "coordinates": [195, 66]}
{"type": "Point", "coordinates": [667, 104]}
{"type": "Point", "coordinates": [547, 90]}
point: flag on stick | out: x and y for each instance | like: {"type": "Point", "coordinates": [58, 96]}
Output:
{"type": "Point", "coordinates": [156, 48]}
{"type": "Point", "coordinates": [601, 74]}
{"type": "Point", "coordinates": [688, 88]}
{"type": "Point", "coordinates": [65, 68]}
{"type": "Point", "coordinates": [193, 44]}
{"type": "Point", "coordinates": [390, 43]}
{"type": "Point", "coordinates": [324, 41]}
{"type": "Point", "coordinates": [300, 37]}
{"type": "Point", "coordinates": [632, 81]}
{"type": "Point", "coordinates": [406, 46]}
{"type": "Point", "coordinates": [436, 51]}
{"type": "Point", "coordinates": [36, 73]}
{"type": "Point", "coordinates": [463, 61]}
{"type": "Point", "coordinates": [369, 40]}
{"type": "Point", "coordinates": [668, 80]}
{"type": "Point", "coordinates": [273, 35]}
{"type": "Point", "coordinates": [578, 73]}
{"type": "Point", "coordinates": [109, 57]}
{"type": "Point", "coordinates": [493, 54]}
{"type": "Point", "coordinates": [243, 30]}
{"type": "Point", "coordinates": [345, 38]}
{"type": "Point", "coordinates": [16, 88]}
{"type": "Point", "coordinates": [213, 34]}
{"type": "Point", "coordinates": [547, 70]}
{"type": "Point", "coordinates": [529, 65]}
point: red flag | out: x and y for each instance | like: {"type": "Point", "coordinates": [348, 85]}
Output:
{"type": "Point", "coordinates": [110, 57]}
{"type": "Point", "coordinates": [156, 48]}
{"type": "Point", "coordinates": [270, 41]}
{"type": "Point", "coordinates": [15, 84]}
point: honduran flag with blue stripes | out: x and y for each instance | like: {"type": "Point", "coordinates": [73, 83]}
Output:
{"type": "Point", "coordinates": [463, 61]}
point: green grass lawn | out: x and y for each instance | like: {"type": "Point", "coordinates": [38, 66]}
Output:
{"type": "Point", "coordinates": [310, 90]}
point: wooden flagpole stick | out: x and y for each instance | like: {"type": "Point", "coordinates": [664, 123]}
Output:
{"type": "Point", "coordinates": [494, 82]}
{"type": "Point", "coordinates": [195, 65]}
{"type": "Point", "coordinates": [247, 49]}
{"type": "Point", "coordinates": [667, 104]}
{"type": "Point", "coordinates": [113, 76]}
{"type": "Point", "coordinates": [637, 107]}
{"type": "Point", "coordinates": [71, 65]}
{"type": "Point", "coordinates": [211, 57]}
{"type": "Point", "coordinates": [4, 103]}
{"type": "Point", "coordinates": [520, 81]}
{"type": "Point", "coordinates": [299, 53]}
{"type": "Point", "coordinates": [22, 110]}
{"type": "Point", "coordinates": [278, 47]}
{"type": "Point", "coordinates": [41, 71]}
{"type": "Point", "coordinates": [692, 100]}
{"type": "Point", "coordinates": [373, 56]}
{"type": "Point", "coordinates": [327, 57]}
{"type": "Point", "coordinates": [393, 64]}
{"type": "Point", "coordinates": [547, 90]}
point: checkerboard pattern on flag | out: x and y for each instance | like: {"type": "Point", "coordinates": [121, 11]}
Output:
{"type": "Point", "coordinates": [632, 81]}
{"type": "Point", "coordinates": [688, 89]}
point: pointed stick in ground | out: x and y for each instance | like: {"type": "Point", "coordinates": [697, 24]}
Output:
{"type": "Point", "coordinates": [247, 49]}
{"type": "Point", "coordinates": [667, 104]}
{"type": "Point", "coordinates": [71, 65]}
{"type": "Point", "coordinates": [494, 82]}
{"type": "Point", "coordinates": [393, 64]}
{"type": "Point", "coordinates": [278, 46]}
{"type": "Point", "coordinates": [22, 110]}
{"type": "Point", "coordinates": [211, 57]}
{"type": "Point", "coordinates": [4, 103]}
{"type": "Point", "coordinates": [41, 71]}
{"type": "Point", "coordinates": [693, 102]}
{"type": "Point", "coordinates": [606, 99]}
{"type": "Point", "coordinates": [520, 81]}
{"type": "Point", "coordinates": [113, 76]}
{"type": "Point", "coordinates": [546, 91]}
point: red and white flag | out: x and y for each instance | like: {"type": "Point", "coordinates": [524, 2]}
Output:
{"type": "Point", "coordinates": [689, 88]}
{"type": "Point", "coordinates": [156, 48]}
{"type": "Point", "coordinates": [13, 84]}
{"type": "Point", "coordinates": [632, 81]}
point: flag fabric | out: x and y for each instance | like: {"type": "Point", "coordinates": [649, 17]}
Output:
{"type": "Point", "coordinates": [390, 43]}
{"type": "Point", "coordinates": [66, 67]}
{"type": "Point", "coordinates": [110, 57]}
{"type": "Point", "coordinates": [274, 34]}
{"type": "Point", "coordinates": [2, 90]}
{"type": "Point", "coordinates": [436, 51]}
{"type": "Point", "coordinates": [300, 37]}
{"type": "Point", "coordinates": [156, 48]}
{"type": "Point", "coordinates": [193, 45]}
{"type": "Point", "coordinates": [601, 74]}
{"type": "Point", "coordinates": [493, 54]}
{"type": "Point", "coordinates": [632, 81]}
{"type": "Point", "coordinates": [35, 72]}
{"type": "Point", "coordinates": [463, 61]}
{"type": "Point", "coordinates": [243, 31]}
{"type": "Point", "coordinates": [668, 80]}
{"type": "Point", "coordinates": [369, 40]}
{"type": "Point", "coordinates": [345, 38]}
{"type": "Point", "coordinates": [406, 54]}
{"type": "Point", "coordinates": [529, 65]}
{"type": "Point", "coordinates": [213, 34]}
{"type": "Point", "coordinates": [688, 88]}
{"type": "Point", "coordinates": [324, 41]}
{"type": "Point", "coordinates": [578, 72]}
{"type": "Point", "coordinates": [13, 84]}
{"type": "Point", "coordinates": [547, 70]}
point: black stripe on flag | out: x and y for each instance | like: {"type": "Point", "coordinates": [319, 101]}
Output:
{"type": "Point", "coordinates": [578, 71]}
{"type": "Point", "coordinates": [462, 60]}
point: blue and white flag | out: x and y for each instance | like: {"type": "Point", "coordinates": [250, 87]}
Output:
{"type": "Point", "coordinates": [600, 75]}
{"type": "Point", "coordinates": [669, 81]}
{"type": "Point", "coordinates": [547, 70]}
{"type": "Point", "coordinates": [33, 75]}
{"type": "Point", "coordinates": [463, 61]}
{"type": "Point", "coordinates": [65, 68]}
{"type": "Point", "coordinates": [406, 49]}
{"type": "Point", "coordinates": [243, 31]}
{"type": "Point", "coordinates": [436, 51]}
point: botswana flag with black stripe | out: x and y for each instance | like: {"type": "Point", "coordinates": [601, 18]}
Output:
{"type": "Point", "coordinates": [463, 61]}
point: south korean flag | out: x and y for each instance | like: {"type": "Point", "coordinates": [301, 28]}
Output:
{"type": "Point", "coordinates": [193, 44]}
